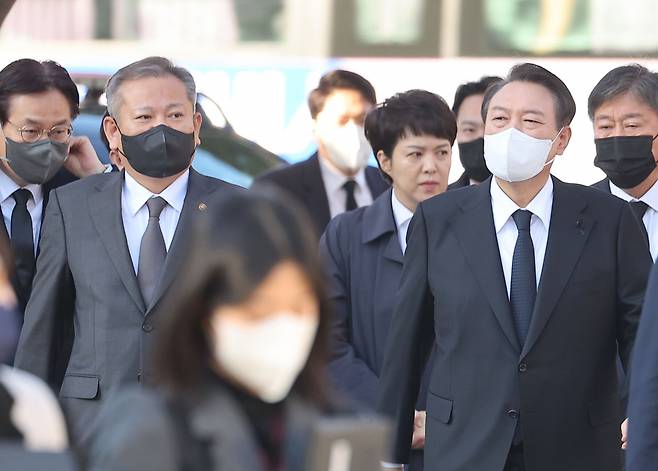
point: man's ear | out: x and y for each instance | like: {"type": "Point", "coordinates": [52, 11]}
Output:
{"type": "Point", "coordinates": [563, 140]}
{"type": "Point", "coordinates": [198, 119]}
{"type": "Point", "coordinates": [112, 132]}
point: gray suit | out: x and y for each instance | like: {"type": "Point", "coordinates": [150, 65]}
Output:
{"type": "Point", "coordinates": [87, 330]}
{"type": "Point", "coordinates": [137, 431]}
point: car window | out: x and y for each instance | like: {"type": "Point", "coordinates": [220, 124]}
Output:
{"type": "Point", "coordinates": [212, 166]}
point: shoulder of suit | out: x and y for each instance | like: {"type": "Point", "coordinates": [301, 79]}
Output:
{"type": "Point", "coordinates": [84, 184]}
{"type": "Point", "coordinates": [591, 194]}
{"type": "Point", "coordinates": [285, 173]}
{"type": "Point", "coordinates": [348, 220]}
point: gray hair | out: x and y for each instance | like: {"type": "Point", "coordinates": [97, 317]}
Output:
{"type": "Point", "coordinates": [150, 67]}
{"type": "Point", "coordinates": [632, 78]}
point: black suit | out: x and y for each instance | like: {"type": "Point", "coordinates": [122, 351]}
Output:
{"type": "Point", "coordinates": [562, 384]}
{"type": "Point", "coordinates": [461, 182]}
{"type": "Point", "coordinates": [86, 290]}
{"type": "Point", "coordinates": [304, 182]}
{"type": "Point", "coordinates": [61, 178]}
{"type": "Point", "coordinates": [602, 185]}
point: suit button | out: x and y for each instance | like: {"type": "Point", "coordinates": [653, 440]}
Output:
{"type": "Point", "coordinates": [512, 414]}
{"type": "Point", "coordinates": [147, 328]}
{"type": "Point", "coordinates": [523, 367]}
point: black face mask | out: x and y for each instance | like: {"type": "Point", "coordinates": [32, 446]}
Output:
{"type": "Point", "coordinates": [159, 152]}
{"type": "Point", "coordinates": [626, 160]}
{"type": "Point", "coordinates": [471, 154]}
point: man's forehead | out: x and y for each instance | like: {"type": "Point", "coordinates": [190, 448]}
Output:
{"type": "Point", "coordinates": [624, 106]}
{"type": "Point", "coordinates": [526, 96]}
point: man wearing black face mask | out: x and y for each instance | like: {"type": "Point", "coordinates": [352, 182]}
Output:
{"type": "Point", "coordinates": [38, 102]}
{"type": "Point", "coordinates": [470, 131]}
{"type": "Point", "coordinates": [623, 107]}
{"type": "Point", "coordinates": [112, 244]}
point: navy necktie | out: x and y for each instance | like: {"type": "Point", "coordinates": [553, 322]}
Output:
{"type": "Point", "coordinates": [523, 290]}
{"type": "Point", "coordinates": [22, 243]}
{"type": "Point", "coordinates": [350, 201]}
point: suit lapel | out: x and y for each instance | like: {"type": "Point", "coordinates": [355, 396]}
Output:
{"type": "Point", "coordinates": [474, 229]}
{"type": "Point", "coordinates": [105, 208]}
{"type": "Point", "coordinates": [195, 200]}
{"type": "Point", "coordinates": [568, 232]}
{"type": "Point", "coordinates": [378, 220]}
{"type": "Point", "coordinates": [316, 199]}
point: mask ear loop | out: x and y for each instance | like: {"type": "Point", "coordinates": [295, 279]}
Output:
{"type": "Point", "coordinates": [116, 123]}
{"type": "Point", "coordinates": [552, 142]}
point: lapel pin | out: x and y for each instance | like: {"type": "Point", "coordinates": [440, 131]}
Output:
{"type": "Point", "coordinates": [203, 206]}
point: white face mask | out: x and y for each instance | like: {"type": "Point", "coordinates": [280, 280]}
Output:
{"type": "Point", "coordinates": [265, 356]}
{"type": "Point", "coordinates": [347, 145]}
{"type": "Point", "coordinates": [514, 156]}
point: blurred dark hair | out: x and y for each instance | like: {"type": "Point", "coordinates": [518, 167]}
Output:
{"type": "Point", "coordinates": [632, 78]}
{"type": "Point", "coordinates": [27, 76]}
{"type": "Point", "coordinates": [237, 243]}
{"type": "Point", "coordinates": [415, 112]}
{"type": "Point", "coordinates": [472, 88]}
{"type": "Point", "coordinates": [339, 80]}
{"type": "Point", "coordinates": [565, 106]}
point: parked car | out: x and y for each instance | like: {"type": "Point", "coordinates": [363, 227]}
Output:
{"type": "Point", "coordinates": [223, 153]}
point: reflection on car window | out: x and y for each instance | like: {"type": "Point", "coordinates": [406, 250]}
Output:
{"type": "Point", "coordinates": [205, 163]}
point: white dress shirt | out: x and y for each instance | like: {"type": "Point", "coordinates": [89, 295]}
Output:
{"type": "Point", "coordinates": [506, 232]}
{"type": "Point", "coordinates": [135, 213]}
{"type": "Point", "coordinates": [34, 205]}
{"type": "Point", "coordinates": [402, 217]}
{"type": "Point", "coordinates": [650, 218]}
{"type": "Point", "coordinates": [336, 194]}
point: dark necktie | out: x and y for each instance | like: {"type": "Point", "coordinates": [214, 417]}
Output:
{"type": "Point", "coordinates": [22, 243]}
{"type": "Point", "coordinates": [350, 201]}
{"type": "Point", "coordinates": [639, 208]}
{"type": "Point", "coordinates": [152, 251]}
{"type": "Point", "coordinates": [523, 290]}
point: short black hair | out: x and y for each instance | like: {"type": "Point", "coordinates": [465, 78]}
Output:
{"type": "Point", "coordinates": [27, 76]}
{"type": "Point", "coordinates": [472, 88]}
{"type": "Point", "coordinates": [631, 78]}
{"type": "Point", "coordinates": [416, 112]}
{"type": "Point", "coordinates": [339, 80]}
{"type": "Point", "coordinates": [565, 106]}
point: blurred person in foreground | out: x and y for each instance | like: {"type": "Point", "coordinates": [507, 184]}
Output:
{"type": "Point", "coordinates": [240, 356]}
{"type": "Point", "coordinates": [623, 108]}
{"type": "Point", "coordinates": [467, 107]}
{"type": "Point", "coordinates": [112, 244]}
{"type": "Point", "coordinates": [29, 413]}
{"type": "Point", "coordinates": [527, 287]}
{"type": "Point", "coordinates": [337, 177]}
{"type": "Point", "coordinates": [363, 250]}
{"type": "Point", "coordinates": [642, 453]}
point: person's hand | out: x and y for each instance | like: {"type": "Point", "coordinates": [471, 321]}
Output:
{"type": "Point", "coordinates": [418, 438]}
{"type": "Point", "coordinates": [82, 160]}
{"type": "Point", "coordinates": [624, 434]}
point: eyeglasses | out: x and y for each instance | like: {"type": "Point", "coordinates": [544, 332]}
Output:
{"type": "Point", "coordinates": [55, 134]}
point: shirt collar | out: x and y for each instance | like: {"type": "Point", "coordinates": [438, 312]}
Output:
{"type": "Point", "coordinates": [9, 186]}
{"type": "Point", "coordinates": [503, 207]}
{"type": "Point", "coordinates": [137, 196]}
{"type": "Point", "coordinates": [401, 213]}
{"type": "Point", "coordinates": [650, 197]}
{"type": "Point", "coordinates": [334, 180]}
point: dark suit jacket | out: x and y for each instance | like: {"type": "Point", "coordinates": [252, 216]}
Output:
{"type": "Point", "coordinates": [85, 279]}
{"type": "Point", "coordinates": [304, 182]}
{"type": "Point", "coordinates": [643, 406]}
{"type": "Point", "coordinates": [561, 386]}
{"type": "Point", "coordinates": [602, 185]}
{"type": "Point", "coordinates": [461, 182]}
{"type": "Point", "coordinates": [136, 432]}
{"type": "Point", "coordinates": [61, 178]}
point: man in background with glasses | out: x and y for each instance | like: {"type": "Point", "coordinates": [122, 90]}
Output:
{"type": "Point", "coordinates": [38, 102]}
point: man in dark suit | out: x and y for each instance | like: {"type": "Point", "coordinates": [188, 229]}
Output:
{"type": "Point", "coordinates": [413, 134]}
{"type": "Point", "coordinates": [470, 131]}
{"type": "Point", "coordinates": [112, 244]}
{"type": "Point", "coordinates": [526, 285]}
{"type": "Point", "coordinates": [642, 451]}
{"type": "Point", "coordinates": [623, 107]}
{"type": "Point", "coordinates": [38, 102]}
{"type": "Point", "coordinates": [337, 177]}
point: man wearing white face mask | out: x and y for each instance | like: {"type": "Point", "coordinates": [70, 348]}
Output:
{"type": "Point", "coordinates": [337, 178]}
{"type": "Point", "coordinates": [529, 285]}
